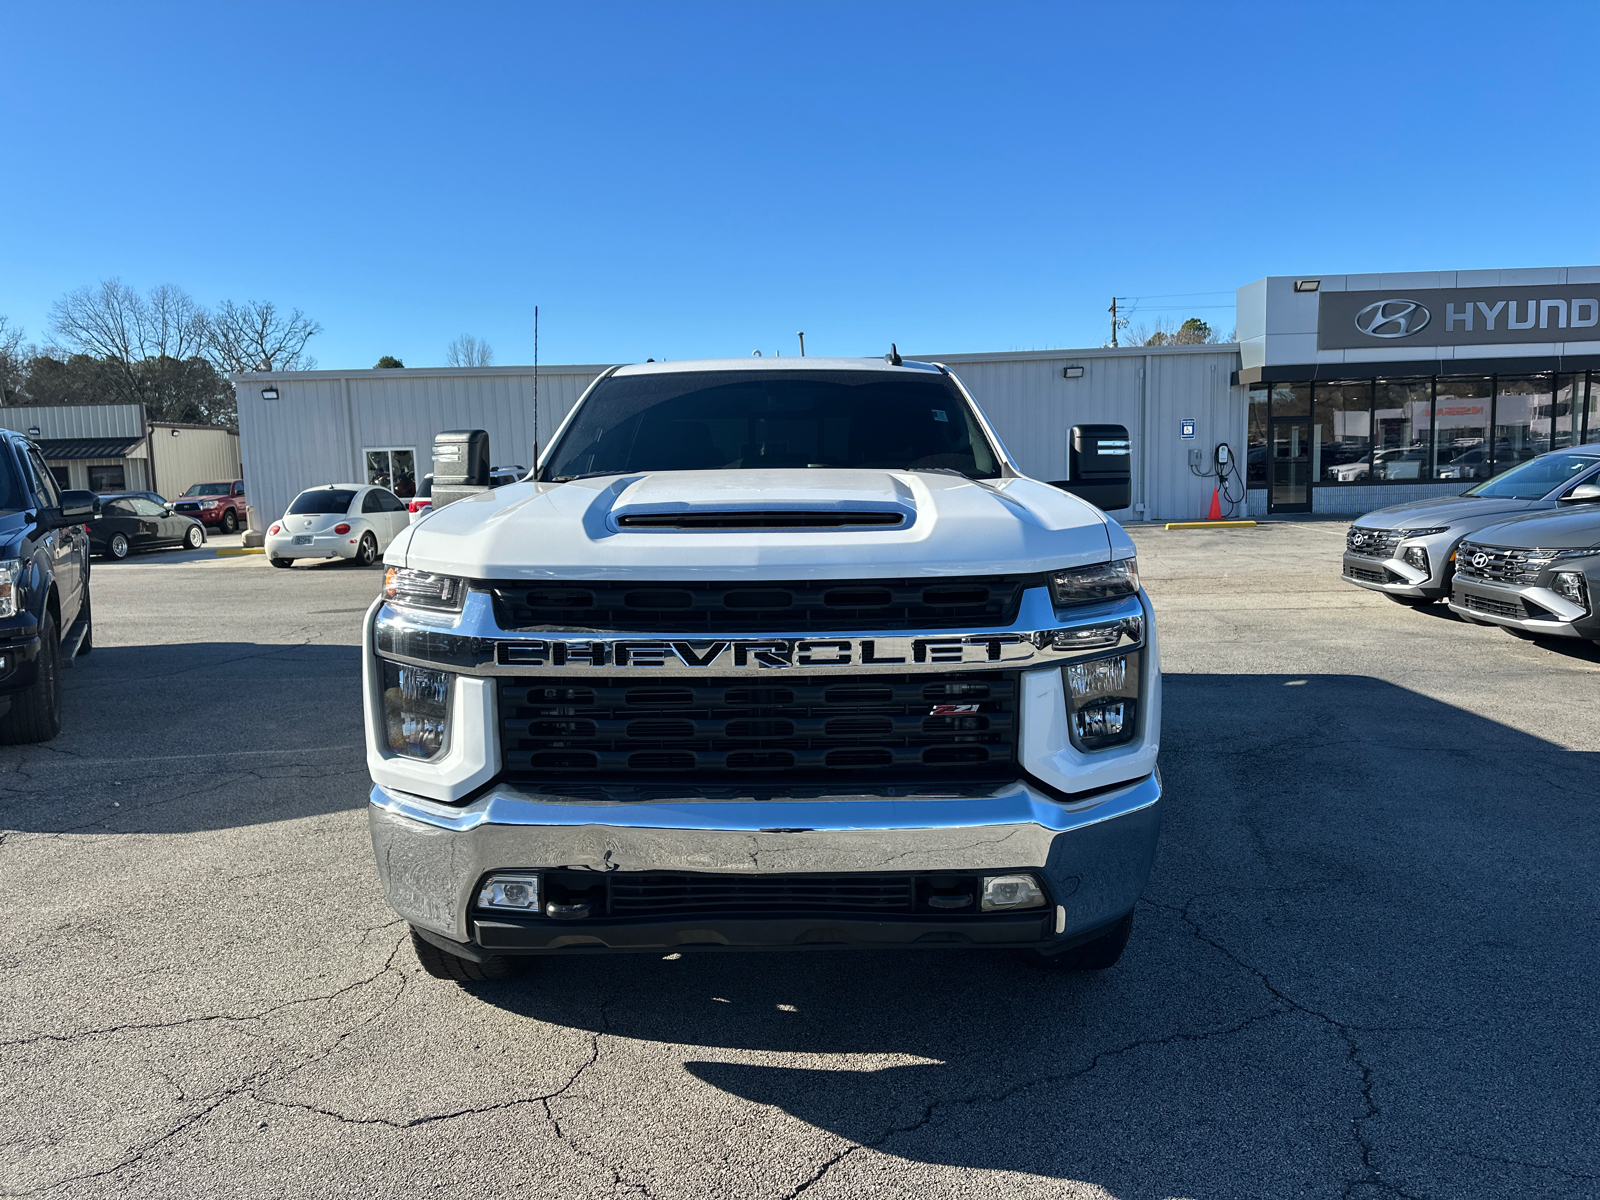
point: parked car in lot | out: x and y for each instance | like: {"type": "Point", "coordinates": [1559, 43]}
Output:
{"type": "Point", "coordinates": [341, 520]}
{"type": "Point", "coordinates": [1408, 551]}
{"type": "Point", "coordinates": [219, 504]}
{"type": "Point", "coordinates": [45, 618]}
{"type": "Point", "coordinates": [129, 523]}
{"type": "Point", "coordinates": [153, 497]}
{"type": "Point", "coordinates": [422, 500]}
{"type": "Point", "coordinates": [1535, 576]}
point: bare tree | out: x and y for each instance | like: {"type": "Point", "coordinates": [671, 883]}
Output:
{"type": "Point", "coordinates": [468, 351]}
{"type": "Point", "coordinates": [115, 324]}
{"type": "Point", "coordinates": [254, 336]}
{"type": "Point", "coordinates": [13, 361]}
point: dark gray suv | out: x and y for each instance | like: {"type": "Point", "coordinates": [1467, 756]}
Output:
{"type": "Point", "coordinates": [1536, 576]}
{"type": "Point", "coordinates": [1409, 551]}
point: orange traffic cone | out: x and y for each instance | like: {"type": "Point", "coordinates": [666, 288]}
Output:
{"type": "Point", "coordinates": [1216, 507]}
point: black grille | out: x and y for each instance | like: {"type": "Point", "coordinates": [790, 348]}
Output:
{"type": "Point", "coordinates": [649, 895]}
{"type": "Point", "coordinates": [893, 726]}
{"type": "Point", "coordinates": [838, 605]}
{"type": "Point", "coordinates": [1366, 576]}
{"type": "Point", "coordinates": [1496, 608]}
{"type": "Point", "coordinates": [763, 520]}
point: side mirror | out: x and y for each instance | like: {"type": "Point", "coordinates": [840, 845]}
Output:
{"type": "Point", "coordinates": [1584, 493]}
{"type": "Point", "coordinates": [78, 506]}
{"type": "Point", "coordinates": [1100, 466]}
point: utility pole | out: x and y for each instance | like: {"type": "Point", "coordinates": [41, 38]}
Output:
{"type": "Point", "coordinates": [536, 391]}
{"type": "Point", "coordinates": [801, 335]}
{"type": "Point", "coordinates": [1113, 311]}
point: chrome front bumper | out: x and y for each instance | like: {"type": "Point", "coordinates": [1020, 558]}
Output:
{"type": "Point", "coordinates": [1094, 855]}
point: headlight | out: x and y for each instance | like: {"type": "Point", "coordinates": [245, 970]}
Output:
{"type": "Point", "coordinates": [423, 589]}
{"type": "Point", "coordinates": [1423, 532]}
{"type": "Point", "coordinates": [416, 710]}
{"type": "Point", "coordinates": [1103, 581]}
{"type": "Point", "coordinates": [1570, 585]}
{"type": "Point", "coordinates": [1417, 557]}
{"type": "Point", "coordinates": [1102, 700]}
{"type": "Point", "coordinates": [10, 587]}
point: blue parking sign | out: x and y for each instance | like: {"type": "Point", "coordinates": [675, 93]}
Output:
{"type": "Point", "coordinates": [1187, 426]}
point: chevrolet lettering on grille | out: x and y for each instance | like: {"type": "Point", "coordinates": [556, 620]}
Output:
{"type": "Point", "coordinates": [759, 654]}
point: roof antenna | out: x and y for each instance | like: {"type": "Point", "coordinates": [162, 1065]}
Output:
{"type": "Point", "coordinates": [893, 357]}
{"type": "Point", "coordinates": [755, 353]}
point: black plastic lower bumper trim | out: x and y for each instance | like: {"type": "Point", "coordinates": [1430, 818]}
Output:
{"type": "Point", "coordinates": [546, 936]}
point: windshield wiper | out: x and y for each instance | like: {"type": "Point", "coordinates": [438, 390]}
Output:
{"type": "Point", "coordinates": [585, 475]}
{"type": "Point", "coordinates": [942, 471]}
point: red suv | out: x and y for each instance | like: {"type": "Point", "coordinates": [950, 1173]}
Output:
{"type": "Point", "coordinates": [214, 504]}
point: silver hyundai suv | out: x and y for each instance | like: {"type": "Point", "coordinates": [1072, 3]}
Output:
{"type": "Point", "coordinates": [1408, 551]}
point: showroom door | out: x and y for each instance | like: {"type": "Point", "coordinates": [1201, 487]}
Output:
{"type": "Point", "coordinates": [1289, 466]}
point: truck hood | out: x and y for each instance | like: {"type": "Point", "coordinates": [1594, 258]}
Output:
{"type": "Point", "coordinates": [1470, 511]}
{"type": "Point", "coordinates": [579, 530]}
{"type": "Point", "coordinates": [1574, 528]}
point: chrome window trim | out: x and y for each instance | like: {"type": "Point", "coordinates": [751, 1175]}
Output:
{"type": "Point", "coordinates": [1040, 636]}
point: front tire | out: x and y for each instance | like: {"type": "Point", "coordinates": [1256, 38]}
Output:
{"type": "Point", "coordinates": [118, 546]}
{"type": "Point", "coordinates": [194, 538]}
{"type": "Point", "coordinates": [441, 964]}
{"type": "Point", "coordinates": [230, 521]}
{"type": "Point", "coordinates": [367, 551]}
{"type": "Point", "coordinates": [35, 714]}
{"type": "Point", "coordinates": [1098, 955]}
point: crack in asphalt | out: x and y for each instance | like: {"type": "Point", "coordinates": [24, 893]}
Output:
{"type": "Point", "coordinates": [1372, 1178]}
{"type": "Point", "coordinates": [143, 1026]}
{"type": "Point", "coordinates": [1532, 1166]}
{"type": "Point", "coordinates": [929, 1110]}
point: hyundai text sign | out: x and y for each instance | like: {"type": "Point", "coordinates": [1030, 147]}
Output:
{"type": "Point", "coordinates": [1485, 316]}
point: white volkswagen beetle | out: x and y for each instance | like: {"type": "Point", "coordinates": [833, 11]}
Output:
{"type": "Point", "coordinates": [339, 520]}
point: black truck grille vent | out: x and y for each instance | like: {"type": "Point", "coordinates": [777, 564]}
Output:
{"type": "Point", "coordinates": [902, 726]}
{"type": "Point", "coordinates": [648, 895]}
{"type": "Point", "coordinates": [1511, 609]}
{"type": "Point", "coordinates": [830, 605]}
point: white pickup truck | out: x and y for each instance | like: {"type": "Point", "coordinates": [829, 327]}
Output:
{"type": "Point", "coordinates": [764, 654]}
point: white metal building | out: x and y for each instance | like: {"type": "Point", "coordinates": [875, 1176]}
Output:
{"type": "Point", "coordinates": [300, 429]}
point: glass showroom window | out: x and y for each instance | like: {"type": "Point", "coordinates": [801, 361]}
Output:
{"type": "Point", "coordinates": [1402, 414]}
{"type": "Point", "coordinates": [1461, 410]}
{"type": "Point", "coordinates": [1255, 474]}
{"type": "Point", "coordinates": [395, 469]}
{"type": "Point", "coordinates": [1342, 441]}
{"type": "Point", "coordinates": [1591, 419]}
{"type": "Point", "coordinates": [1562, 425]}
{"type": "Point", "coordinates": [1516, 401]}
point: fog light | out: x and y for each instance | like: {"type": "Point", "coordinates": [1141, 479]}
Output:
{"type": "Point", "coordinates": [1417, 557]}
{"type": "Point", "coordinates": [1102, 697]}
{"type": "Point", "coordinates": [1102, 720]}
{"type": "Point", "coordinates": [416, 710]}
{"type": "Point", "coordinates": [1570, 585]}
{"type": "Point", "coordinates": [519, 892]}
{"type": "Point", "coordinates": [1001, 893]}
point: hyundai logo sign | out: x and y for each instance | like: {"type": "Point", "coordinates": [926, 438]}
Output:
{"type": "Point", "coordinates": [1480, 560]}
{"type": "Point", "coordinates": [1392, 318]}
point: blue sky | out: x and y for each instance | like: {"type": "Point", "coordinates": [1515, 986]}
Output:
{"type": "Point", "coordinates": [683, 180]}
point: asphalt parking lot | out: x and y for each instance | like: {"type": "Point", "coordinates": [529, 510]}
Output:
{"type": "Point", "coordinates": [1364, 966]}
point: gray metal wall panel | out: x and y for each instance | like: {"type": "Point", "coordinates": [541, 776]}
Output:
{"type": "Point", "coordinates": [322, 423]}
{"type": "Point", "coordinates": [76, 420]}
{"type": "Point", "coordinates": [194, 456]}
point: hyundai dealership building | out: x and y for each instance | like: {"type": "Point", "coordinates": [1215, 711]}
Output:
{"type": "Point", "coordinates": [1366, 390]}
{"type": "Point", "coordinates": [1344, 393]}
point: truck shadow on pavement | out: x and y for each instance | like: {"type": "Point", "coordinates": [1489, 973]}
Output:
{"type": "Point", "coordinates": [1362, 966]}
{"type": "Point", "coordinates": [183, 737]}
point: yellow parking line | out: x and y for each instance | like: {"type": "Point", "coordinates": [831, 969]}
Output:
{"type": "Point", "coordinates": [1193, 525]}
{"type": "Point", "coordinates": [228, 551]}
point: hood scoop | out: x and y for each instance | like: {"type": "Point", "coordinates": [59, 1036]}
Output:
{"type": "Point", "coordinates": [812, 500]}
{"type": "Point", "coordinates": [736, 519]}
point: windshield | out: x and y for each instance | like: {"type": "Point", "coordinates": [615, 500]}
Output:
{"type": "Point", "coordinates": [1537, 478]}
{"type": "Point", "coordinates": [210, 489]}
{"type": "Point", "coordinates": [749, 420]}
{"type": "Point", "coordinates": [323, 500]}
